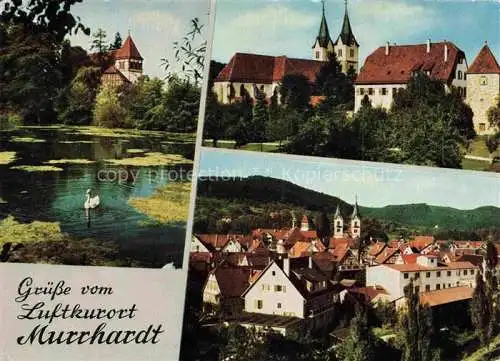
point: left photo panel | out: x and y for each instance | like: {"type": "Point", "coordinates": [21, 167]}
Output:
{"type": "Point", "coordinates": [99, 115]}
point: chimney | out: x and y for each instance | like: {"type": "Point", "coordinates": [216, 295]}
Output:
{"type": "Point", "coordinates": [387, 48]}
{"type": "Point", "coordinates": [286, 266]}
{"type": "Point", "coordinates": [428, 45]}
{"type": "Point", "coordinates": [445, 52]}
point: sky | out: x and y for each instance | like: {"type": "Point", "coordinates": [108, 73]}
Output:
{"type": "Point", "coordinates": [154, 25]}
{"type": "Point", "coordinates": [375, 184]}
{"type": "Point", "coordinates": [289, 27]}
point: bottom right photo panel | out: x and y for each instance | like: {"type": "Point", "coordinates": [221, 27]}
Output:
{"type": "Point", "coordinates": [301, 258]}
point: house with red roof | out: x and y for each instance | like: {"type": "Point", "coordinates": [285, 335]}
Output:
{"type": "Point", "coordinates": [390, 67]}
{"type": "Point", "coordinates": [248, 74]}
{"type": "Point", "coordinates": [126, 64]}
{"type": "Point", "coordinates": [483, 89]}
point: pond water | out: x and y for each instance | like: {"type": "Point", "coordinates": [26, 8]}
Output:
{"type": "Point", "coordinates": [59, 196]}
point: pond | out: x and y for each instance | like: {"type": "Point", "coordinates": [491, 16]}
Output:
{"type": "Point", "coordinates": [54, 167]}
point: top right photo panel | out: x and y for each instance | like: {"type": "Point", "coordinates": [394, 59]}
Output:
{"type": "Point", "coordinates": [411, 82]}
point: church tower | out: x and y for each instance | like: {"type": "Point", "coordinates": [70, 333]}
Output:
{"type": "Point", "coordinates": [338, 224]}
{"type": "Point", "coordinates": [304, 224]}
{"type": "Point", "coordinates": [346, 47]}
{"type": "Point", "coordinates": [355, 221]}
{"type": "Point", "coordinates": [323, 44]}
{"type": "Point", "coordinates": [128, 60]}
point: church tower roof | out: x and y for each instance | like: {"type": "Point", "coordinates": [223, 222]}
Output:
{"type": "Point", "coordinates": [323, 35]}
{"type": "Point", "coordinates": [346, 33]}
{"type": "Point", "coordinates": [485, 63]}
{"type": "Point", "coordinates": [128, 50]}
{"type": "Point", "coordinates": [337, 212]}
{"type": "Point", "coordinates": [355, 212]}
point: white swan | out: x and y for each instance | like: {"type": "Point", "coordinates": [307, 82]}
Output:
{"type": "Point", "coordinates": [91, 202]}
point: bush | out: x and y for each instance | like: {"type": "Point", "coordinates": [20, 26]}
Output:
{"type": "Point", "coordinates": [108, 111]}
{"type": "Point", "coordinates": [10, 121]}
{"type": "Point", "coordinates": [491, 144]}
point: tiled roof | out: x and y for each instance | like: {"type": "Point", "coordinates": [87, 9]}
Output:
{"type": "Point", "coordinates": [335, 242]}
{"type": "Point", "coordinates": [346, 34]}
{"type": "Point", "coordinates": [421, 242]}
{"type": "Point", "coordinates": [386, 254]}
{"type": "Point", "coordinates": [368, 293]}
{"type": "Point", "coordinates": [447, 295]}
{"type": "Point", "coordinates": [113, 71]}
{"type": "Point", "coordinates": [475, 259]}
{"type": "Point", "coordinates": [375, 248]}
{"type": "Point", "coordinates": [265, 69]}
{"type": "Point", "coordinates": [233, 281]}
{"type": "Point", "coordinates": [485, 63]}
{"type": "Point", "coordinates": [403, 60]}
{"type": "Point", "coordinates": [128, 50]}
{"type": "Point", "coordinates": [414, 267]}
{"type": "Point", "coordinates": [218, 241]}
{"type": "Point", "coordinates": [300, 248]}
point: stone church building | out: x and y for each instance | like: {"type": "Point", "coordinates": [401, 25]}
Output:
{"type": "Point", "coordinates": [251, 73]}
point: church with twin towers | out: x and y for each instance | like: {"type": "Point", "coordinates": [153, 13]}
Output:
{"type": "Point", "coordinates": [246, 74]}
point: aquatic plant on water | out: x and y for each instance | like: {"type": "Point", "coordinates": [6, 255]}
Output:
{"type": "Point", "coordinates": [70, 161]}
{"type": "Point", "coordinates": [7, 157]}
{"type": "Point", "coordinates": [151, 159]}
{"type": "Point", "coordinates": [37, 168]}
{"type": "Point", "coordinates": [16, 232]}
{"type": "Point", "coordinates": [27, 140]}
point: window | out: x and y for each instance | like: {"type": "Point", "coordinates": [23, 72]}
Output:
{"type": "Point", "coordinates": [448, 273]}
{"type": "Point", "coordinates": [465, 76]}
{"type": "Point", "coordinates": [471, 271]}
{"type": "Point", "coordinates": [405, 275]}
{"type": "Point", "coordinates": [351, 53]}
{"type": "Point", "coordinates": [259, 304]}
{"type": "Point", "coordinates": [361, 91]}
{"type": "Point", "coordinates": [465, 93]}
{"type": "Point", "coordinates": [427, 274]}
{"type": "Point", "coordinates": [449, 284]}
{"type": "Point", "coordinates": [338, 223]}
{"type": "Point", "coordinates": [370, 91]}
{"type": "Point", "coordinates": [438, 286]}
{"type": "Point", "coordinates": [339, 53]}
{"type": "Point", "coordinates": [273, 273]}
{"type": "Point", "coordinates": [383, 91]}
{"type": "Point", "coordinates": [458, 273]}
{"type": "Point", "coordinates": [483, 81]}
{"type": "Point", "coordinates": [427, 288]}
{"type": "Point", "coordinates": [459, 75]}
{"type": "Point", "coordinates": [279, 305]}
{"type": "Point", "coordinates": [482, 127]}
{"type": "Point", "coordinates": [444, 285]}
{"type": "Point", "coordinates": [438, 274]}
{"type": "Point", "coordinates": [417, 289]}
{"type": "Point", "coordinates": [394, 90]}
{"type": "Point", "coordinates": [317, 55]}
{"type": "Point", "coordinates": [277, 288]}
{"type": "Point", "coordinates": [417, 275]}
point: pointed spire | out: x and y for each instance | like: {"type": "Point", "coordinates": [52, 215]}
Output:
{"type": "Point", "coordinates": [346, 33]}
{"type": "Point", "coordinates": [355, 212]}
{"type": "Point", "coordinates": [323, 34]}
{"type": "Point", "coordinates": [337, 212]}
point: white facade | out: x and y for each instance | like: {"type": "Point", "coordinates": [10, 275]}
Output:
{"type": "Point", "coordinates": [425, 279]}
{"type": "Point", "coordinates": [197, 245]}
{"type": "Point", "coordinates": [223, 90]}
{"type": "Point", "coordinates": [347, 56]}
{"type": "Point", "coordinates": [321, 54]}
{"type": "Point", "coordinates": [380, 95]}
{"type": "Point", "coordinates": [131, 68]}
{"type": "Point", "coordinates": [274, 294]}
{"type": "Point", "coordinates": [483, 91]}
{"type": "Point", "coordinates": [211, 292]}
{"type": "Point", "coordinates": [232, 246]}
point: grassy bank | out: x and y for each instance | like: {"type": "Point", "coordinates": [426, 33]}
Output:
{"type": "Point", "coordinates": [169, 203]}
{"type": "Point", "coordinates": [16, 232]}
{"type": "Point", "coordinates": [485, 353]}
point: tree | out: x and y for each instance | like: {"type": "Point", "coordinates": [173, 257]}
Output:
{"type": "Point", "coordinates": [182, 103]}
{"type": "Point", "coordinates": [480, 309]}
{"type": "Point", "coordinates": [215, 125]}
{"type": "Point", "coordinates": [260, 117]}
{"type": "Point", "coordinates": [144, 103]}
{"type": "Point", "coordinates": [295, 92]}
{"type": "Point", "coordinates": [337, 87]}
{"type": "Point", "coordinates": [189, 53]}
{"type": "Point", "coordinates": [492, 292]}
{"type": "Point", "coordinates": [323, 227]}
{"type": "Point", "coordinates": [117, 42]}
{"type": "Point", "coordinates": [108, 111]}
{"type": "Point", "coordinates": [312, 138]}
{"type": "Point", "coordinates": [416, 329]}
{"type": "Point", "coordinates": [99, 41]}
{"type": "Point", "coordinates": [360, 344]}
{"type": "Point", "coordinates": [494, 114]}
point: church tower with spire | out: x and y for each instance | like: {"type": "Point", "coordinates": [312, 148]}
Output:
{"type": "Point", "coordinates": [346, 47]}
{"type": "Point", "coordinates": [355, 221]}
{"type": "Point", "coordinates": [338, 224]}
{"type": "Point", "coordinates": [323, 44]}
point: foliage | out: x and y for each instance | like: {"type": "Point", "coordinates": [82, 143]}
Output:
{"type": "Point", "coordinates": [295, 92]}
{"type": "Point", "coordinates": [108, 111]}
{"type": "Point", "coordinates": [360, 344]}
{"type": "Point", "coordinates": [189, 53]}
{"type": "Point", "coordinates": [260, 117]}
{"type": "Point", "coordinates": [480, 310]}
{"type": "Point", "coordinates": [117, 42]}
{"type": "Point", "coordinates": [181, 102]}
{"type": "Point", "coordinates": [494, 114]}
{"type": "Point", "coordinates": [9, 121]}
{"type": "Point", "coordinates": [416, 329]}
{"type": "Point", "coordinates": [336, 86]}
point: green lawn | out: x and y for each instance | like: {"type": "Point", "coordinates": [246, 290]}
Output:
{"type": "Point", "coordinates": [478, 148]}
{"type": "Point", "coordinates": [257, 147]}
{"type": "Point", "coordinates": [473, 164]}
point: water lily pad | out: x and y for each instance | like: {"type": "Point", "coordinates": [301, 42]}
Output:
{"type": "Point", "coordinates": [37, 168]}
{"type": "Point", "coordinates": [136, 150]}
{"type": "Point", "coordinates": [169, 204]}
{"type": "Point", "coordinates": [7, 157]}
{"type": "Point", "coordinates": [76, 142]}
{"type": "Point", "coordinates": [13, 231]}
{"type": "Point", "coordinates": [151, 159]}
{"type": "Point", "coordinates": [70, 161]}
{"type": "Point", "coordinates": [27, 140]}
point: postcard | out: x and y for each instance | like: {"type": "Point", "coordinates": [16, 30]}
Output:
{"type": "Point", "coordinates": [98, 123]}
{"type": "Point", "coordinates": [386, 81]}
{"type": "Point", "coordinates": [302, 258]}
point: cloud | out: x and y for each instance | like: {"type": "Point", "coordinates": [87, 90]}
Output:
{"type": "Point", "coordinates": [262, 30]}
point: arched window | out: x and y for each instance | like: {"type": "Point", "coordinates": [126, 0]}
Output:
{"type": "Point", "coordinates": [459, 75]}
